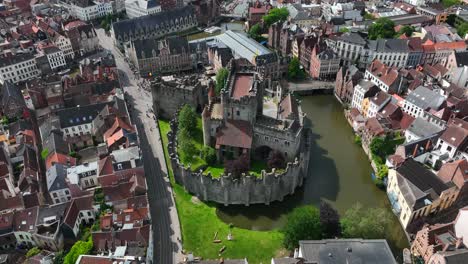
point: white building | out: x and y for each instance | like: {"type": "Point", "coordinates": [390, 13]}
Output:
{"type": "Point", "coordinates": [454, 141]}
{"type": "Point", "coordinates": [376, 103]}
{"type": "Point", "coordinates": [360, 92]}
{"type": "Point", "coordinates": [87, 10]}
{"type": "Point", "coordinates": [77, 121]}
{"type": "Point", "coordinates": [57, 185]}
{"type": "Point", "coordinates": [138, 8]}
{"type": "Point", "coordinates": [422, 99]}
{"type": "Point", "coordinates": [460, 225]}
{"type": "Point", "coordinates": [64, 44]}
{"type": "Point", "coordinates": [386, 78]}
{"type": "Point", "coordinates": [84, 175]}
{"type": "Point", "coordinates": [420, 2]}
{"type": "Point", "coordinates": [55, 57]}
{"type": "Point", "coordinates": [18, 68]}
{"type": "Point", "coordinates": [391, 52]}
{"type": "Point", "coordinates": [349, 47]}
{"type": "Point", "coordinates": [80, 211]}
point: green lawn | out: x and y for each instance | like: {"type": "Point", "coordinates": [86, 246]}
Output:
{"type": "Point", "coordinates": [199, 223]}
{"type": "Point", "coordinates": [216, 170]}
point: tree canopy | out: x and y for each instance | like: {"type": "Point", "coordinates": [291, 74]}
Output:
{"type": "Point", "coordinates": [294, 70]}
{"type": "Point", "coordinates": [238, 166]}
{"type": "Point", "coordinates": [330, 220]}
{"type": "Point", "coordinates": [33, 252]}
{"type": "Point", "coordinates": [187, 119]}
{"type": "Point", "coordinates": [462, 29]}
{"type": "Point", "coordinates": [255, 32]}
{"type": "Point", "coordinates": [449, 3]}
{"type": "Point", "coordinates": [221, 77]}
{"type": "Point", "coordinates": [275, 15]}
{"type": "Point", "coordinates": [303, 223]}
{"type": "Point", "coordinates": [276, 160]}
{"type": "Point", "coordinates": [79, 248]}
{"type": "Point", "coordinates": [382, 28]}
{"type": "Point", "coordinates": [407, 30]}
{"type": "Point", "coordinates": [369, 223]}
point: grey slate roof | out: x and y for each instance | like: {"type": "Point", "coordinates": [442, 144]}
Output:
{"type": "Point", "coordinates": [150, 21]}
{"type": "Point", "coordinates": [425, 98]}
{"type": "Point", "coordinates": [422, 128]}
{"type": "Point", "coordinates": [50, 50]}
{"type": "Point", "coordinates": [49, 212]}
{"type": "Point", "coordinates": [418, 183]}
{"type": "Point", "coordinates": [351, 37]}
{"type": "Point", "coordinates": [175, 44]}
{"type": "Point", "coordinates": [461, 58]}
{"type": "Point", "coordinates": [55, 143]}
{"type": "Point", "coordinates": [75, 116]}
{"type": "Point", "coordinates": [346, 251]}
{"type": "Point", "coordinates": [327, 54]}
{"type": "Point", "coordinates": [17, 58]}
{"type": "Point", "coordinates": [389, 45]}
{"type": "Point", "coordinates": [11, 92]}
{"type": "Point", "coordinates": [59, 172]}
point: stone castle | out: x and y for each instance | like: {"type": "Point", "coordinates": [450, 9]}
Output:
{"type": "Point", "coordinates": [241, 121]}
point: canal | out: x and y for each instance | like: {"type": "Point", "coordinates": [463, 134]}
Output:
{"type": "Point", "coordinates": [339, 173]}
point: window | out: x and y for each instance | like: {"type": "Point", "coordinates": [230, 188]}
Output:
{"type": "Point", "coordinates": [21, 236]}
{"type": "Point", "coordinates": [55, 195]}
{"type": "Point", "coordinates": [119, 166]}
{"type": "Point", "coordinates": [238, 113]}
{"type": "Point", "coordinates": [67, 192]}
{"type": "Point", "coordinates": [81, 214]}
{"type": "Point", "coordinates": [89, 213]}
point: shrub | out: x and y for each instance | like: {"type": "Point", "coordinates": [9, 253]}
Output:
{"type": "Point", "coordinates": [357, 140]}
{"type": "Point", "coordinates": [276, 160]}
{"type": "Point", "coordinates": [187, 119]}
{"type": "Point", "coordinates": [44, 153]}
{"type": "Point", "coordinates": [238, 166]}
{"type": "Point", "coordinates": [209, 155]}
{"type": "Point", "coordinates": [221, 77]}
{"type": "Point", "coordinates": [79, 248]}
{"type": "Point", "coordinates": [369, 223]}
{"type": "Point", "coordinates": [33, 252]}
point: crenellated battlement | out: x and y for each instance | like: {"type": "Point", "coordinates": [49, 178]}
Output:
{"type": "Point", "coordinates": [248, 189]}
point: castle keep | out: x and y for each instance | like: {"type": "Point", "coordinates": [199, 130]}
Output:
{"type": "Point", "coordinates": [241, 121]}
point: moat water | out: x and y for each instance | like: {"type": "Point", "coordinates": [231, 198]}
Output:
{"type": "Point", "coordinates": [339, 172]}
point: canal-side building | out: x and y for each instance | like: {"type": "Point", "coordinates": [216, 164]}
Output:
{"type": "Point", "coordinates": [385, 77]}
{"type": "Point", "coordinates": [415, 192]}
{"type": "Point", "coordinates": [422, 99]}
{"type": "Point", "coordinates": [364, 89]}
{"type": "Point", "coordinates": [346, 79]}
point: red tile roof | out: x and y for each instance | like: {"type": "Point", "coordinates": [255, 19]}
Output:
{"type": "Point", "coordinates": [456, 172]}
{"type": "Point", "coordinates": [25, 220]}
{"type": "Point", "coordinates": [242, 85]}
{"type": "Point", "coordinates": [61, 159]}
{"type": "Point", "coordinates": [456, 136]}
{"type": "Point", "coordinates": [235, 133]}
{"type": "Point", "coordinates": [77, 205]}
{"type": "Point", "coordinates": [387, 75]}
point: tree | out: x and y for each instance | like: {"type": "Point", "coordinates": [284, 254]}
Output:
{"type": "Point", "coordinates": [330, 220]}
{"type": "Point", "coordinates": [186, 149]}
{"type": "Point", "coordinates": [382, 28]}
{"type": "Point", "coordinates": [449, 3]}
{"type": "Point", "coordinates": [344, 30]}
{"type": "Point", "coordinates": [255, 32]}
{"type": "Point", "coordinates": [369, 223]}
{"type": "Point", "coordinates": [275, 15]}
{"type": "Point", "coordinates": [238, 166]}
{"type": "Point", "coordinates": [276, 160]}
{"type": "Point", "coordinates": [221, 77]}
{"type": "Point", "coordinates": [451, 19]}
{"type": "Point", "coordinates": [209, 155]}
{"type": "Point", "coordinates": [294, 70]}
{"type": "Point", "coordinates": [462, 29]}
{"type": "Point", "coordinates": [407, 30]}
{"type": "Point", "coordinates": [79, 248]}
{"type": "Point", "coordinates": [302, 224]}
{"type": "Point", "coordinates": [187, 120]}
{"type": "Point", "coordinates": [368, 16]}
{"type": "Point", "coordinates": [33, 252]}
{"type": "Point", "coordinates": [59, 257]}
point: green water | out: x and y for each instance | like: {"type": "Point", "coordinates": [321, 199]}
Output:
{"type": "Point", "coordinates": [339, 172]}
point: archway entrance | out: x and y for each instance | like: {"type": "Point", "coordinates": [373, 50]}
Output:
{"type": "Point", "coordinates": [262, 152]}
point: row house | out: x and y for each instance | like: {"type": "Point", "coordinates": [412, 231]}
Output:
{"type": "Point", "coordinates": [57, 186]}
{"type": "Point", "coordinates": [376, 103]}
{"type": "Point", "coordinates": [385, 77]}
{"type": "Point", "coordinates": [364, 89]}
{"type": "Point", "coordinates": [305, 50]}
{"type": "Point", "coordinates": [349, 47]}
{"type": "Point", "coordinates": [84, 175]}
{"type": "Point", "coordinates": [64, 44]}
{"type": "Point", "coordinates": [87, 10]}
{"type": "Point", "coordinates": [12, 101]}
{"type": "Point", "coordinates": [346, 79]}
{"type": "Point", "coordinates": [80, 212]}
{"type": "Point", "coordinates": [169, 55]}
{"type": "Point", "coordinates": [83, 37]}
{"type": "Point", "coordinates": [433, 243]}
{"type": "Point", "coordinates": [422, 99]}
{"type": "Point", "coordinates": [392, 52]}
{"type": "Point", "coordinates": [324, 64]}
{"type": "Point", "coordinates": [256, 12]}
{"type": "Point", "coordinates": [281, 36]}
{"type": "Point", "coordinates": [55, 57]}
{"type": "Point", "coordinates": [48, 234]}
{"type": "Point", "coordinates": [457, 173]}
{"type": "Point", "coordinates": [415, 192]}
{"type": "Point", "coordinates": [219, 56]}
{"type": "Point", "coordinates": [17, 68]}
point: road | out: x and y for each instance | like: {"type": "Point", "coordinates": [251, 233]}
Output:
{"type": "Point", "coordinates": [165, 221]}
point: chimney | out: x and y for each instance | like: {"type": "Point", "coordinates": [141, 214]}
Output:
{"type": "Point", "coordinates": [415, 150]}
